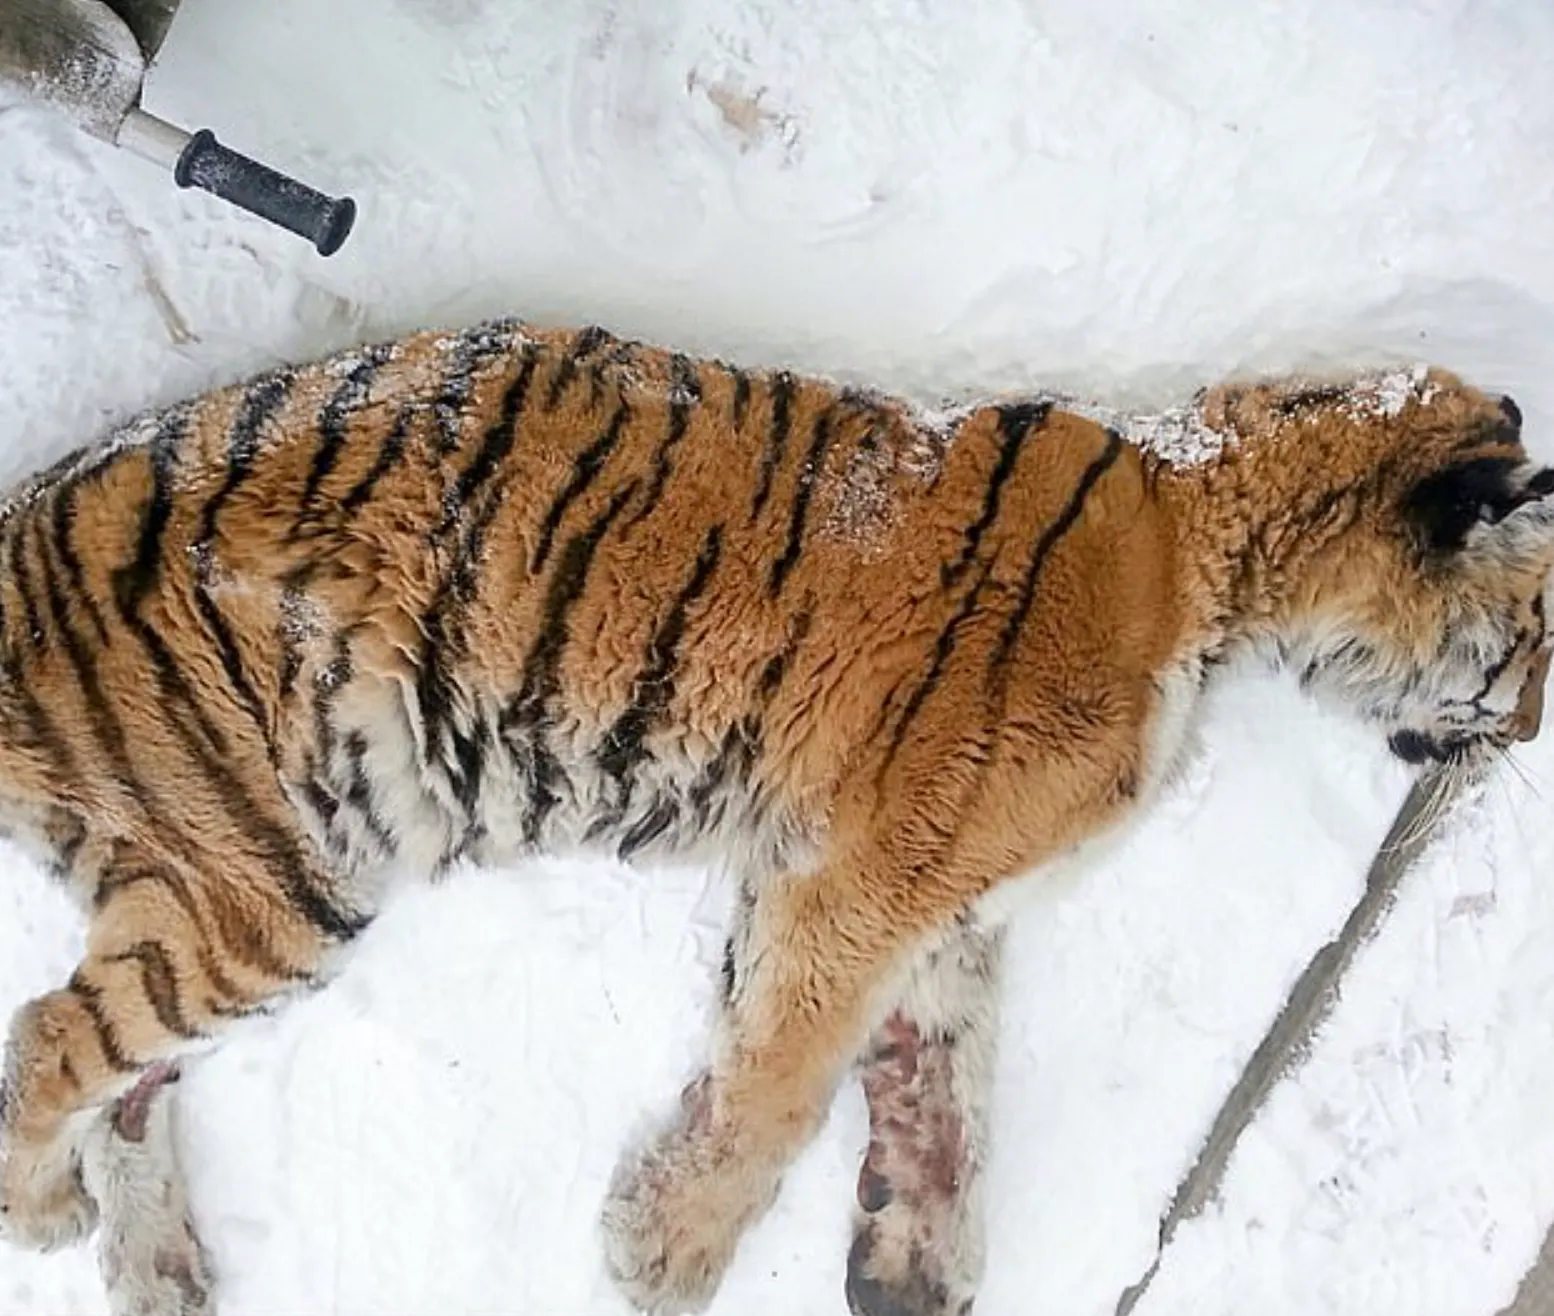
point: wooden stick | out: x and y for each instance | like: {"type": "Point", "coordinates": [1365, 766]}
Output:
{"type": "Point", "coordinates": [1288, 1040]}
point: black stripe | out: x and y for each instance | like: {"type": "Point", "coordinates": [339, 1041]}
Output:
{"type": "Point", "coordinates": [327, 795]}
{"type": "Point", "coordinates": [741, 397]}
{"type": "Point", "coordinates": [1015, 424]}
{"type": "Point", "coordinates": [684, 393]}
{"type": "Point", "coordinates": [106, 726]}
{"type": "Point", "coordinates": [1044, 546]}
{"type": "Point", "coordinates": [91, 999]}
{"type": "Point", "coordinates": [468, 353]}
{"type": "Point", "coordinates": [390, 453]}
{"type": "Point", "coordinates": [132, 582]}
{"type": "Point", "coordinates": [735, 760]}
{"type": "Point", "coordinates": [321, 799]}
{"type": "Point", "coordinates": [781, 389]}
{"type": "Point", "coordinates": [1497, 668]}
{"type": "Point", "coordinates": [22, 497]}
{"type": "Point", "coordinates": [443, 641]}
{"type": "Point", "coordinates": [262, 400]}
{"type": "Point", "coordinates": [159, 981]}
{"type": "Point", "coordinates": [335, 419]}
{"type": "Point", "coordinates": [494, 447]}
{"type": "Point", "coordinates": [360, 796]}
{"type": "Point", "coordinates": [21, 581]}
{"type": "Point", "coordinates": [623, 751]}
{"type": "Point", "coordinates": [943, 651]}
{"type": "Point", "coordinates": [42, 735]}
{"type": "Point", "coordinates": [239, 937]}
{"type": "Point", "coordinates": [585, 343]}
{"type": "Point", "coordinates": [328, 682]}
{"type": "Point", "coordinates": [648, 828]}
{"type": "Point", "coordinates": [809, 473]}
{"type": "Point", "coordinates": [530, 708]}
{"type": "Point", "coordinates": [70, 560]}
{"type": "Point", "coordinates": [585, 470]}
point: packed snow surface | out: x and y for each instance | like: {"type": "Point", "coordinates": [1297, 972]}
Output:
{"type": "Point", "coordinates": [1120, 201]}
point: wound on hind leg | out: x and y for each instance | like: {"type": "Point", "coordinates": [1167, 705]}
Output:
{"type": "Point", "coordinates": [917, 1133]}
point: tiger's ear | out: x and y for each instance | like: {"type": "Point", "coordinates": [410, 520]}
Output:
{"type": "Point", "coordinates": [1445, 507]}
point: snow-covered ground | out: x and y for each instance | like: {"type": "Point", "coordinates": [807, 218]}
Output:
{"type": "Point", "coordinates": [1120, 198]}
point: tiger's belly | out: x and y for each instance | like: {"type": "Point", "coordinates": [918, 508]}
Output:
{"type": "Point", "coordinates": [387, 792]}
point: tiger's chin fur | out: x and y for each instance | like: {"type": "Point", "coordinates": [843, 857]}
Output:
{"type": "Point", "coordinates": [509, 591]}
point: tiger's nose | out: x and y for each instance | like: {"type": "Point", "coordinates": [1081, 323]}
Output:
{"type": "Point", "coordinates": [1529, 705]}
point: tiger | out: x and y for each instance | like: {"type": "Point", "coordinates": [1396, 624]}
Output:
{"type": "Point", "coordinates": [272, 653]}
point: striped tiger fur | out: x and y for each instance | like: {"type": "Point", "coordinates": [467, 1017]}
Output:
{"type": "Point", "coordinates": [481, 595]}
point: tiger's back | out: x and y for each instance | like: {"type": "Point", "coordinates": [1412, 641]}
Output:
{"type": "Point", "coordinates": [513, 590]}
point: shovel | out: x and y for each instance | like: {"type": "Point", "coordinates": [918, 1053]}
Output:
{"type": "Point", "coordinates": [83, 58]}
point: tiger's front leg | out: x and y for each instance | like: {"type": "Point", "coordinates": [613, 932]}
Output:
{"type": "Point", "coordinates": [813, 959]}
{"type": "Point", "coordinates": [918, 1244]}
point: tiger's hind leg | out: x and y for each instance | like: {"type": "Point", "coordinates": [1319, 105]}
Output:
{"type": "Point", "coordinates": [812, 959]}
{"type": "Point", "coordinates": [151, 1258]}
{"type": "Point", "coordinates": [171, 961]}
{"type": "Point", "coordinates": [918, 1243]}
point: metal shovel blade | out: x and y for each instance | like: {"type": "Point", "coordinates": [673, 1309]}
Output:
{"type": "Point", "coordinates": [78, 55]}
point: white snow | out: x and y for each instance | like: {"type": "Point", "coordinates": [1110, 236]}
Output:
{"type": "Point", "coordinates": [1120, 201]}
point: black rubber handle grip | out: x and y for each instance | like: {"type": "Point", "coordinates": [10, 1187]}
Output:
{"type": "Point", "coordinates": [324, 220]}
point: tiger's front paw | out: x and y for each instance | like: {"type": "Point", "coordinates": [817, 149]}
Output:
{"type": "Point", "coordinates": [677, 1209]}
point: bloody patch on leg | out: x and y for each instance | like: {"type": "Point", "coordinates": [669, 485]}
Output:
{"type": "Point", "coordinates": [134, 1107]}
{"type": "Point", "coordinates": [911, 1181]}
{"type": "Point", "coordinates": [917, 1141]}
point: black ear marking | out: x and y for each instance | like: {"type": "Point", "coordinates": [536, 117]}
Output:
{"type": "Point", "coordinates": [1446, 505]}
{"type": "Point", "coordinates": [1511, 412]}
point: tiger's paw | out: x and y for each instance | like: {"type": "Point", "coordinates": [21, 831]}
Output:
{"type": "Point", "coordinates": [885, 1278]}
{"type": "Point", "coordinates": [43, 1203]}
{"type": "Point", "coordinates": [156, 1267]}
{"type": "Point", "coordinates": [677, 1209]}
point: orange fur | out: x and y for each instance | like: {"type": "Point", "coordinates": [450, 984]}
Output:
{"type": "Point", "coordinates": [512, 590]}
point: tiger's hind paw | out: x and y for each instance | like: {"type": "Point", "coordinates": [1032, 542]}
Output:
{"type": "Point", "coordinates": [676, 1212]}
{"type": "Point", "coordinates": [44, 1204]}
{"type": "Point", "coordinates": [882, 1281]}
{"type": "Point", "coordinates": [42, 1207]}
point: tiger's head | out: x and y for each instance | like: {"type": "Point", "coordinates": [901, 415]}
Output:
{"type": "Point", "coordinates": [1403, 553]}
